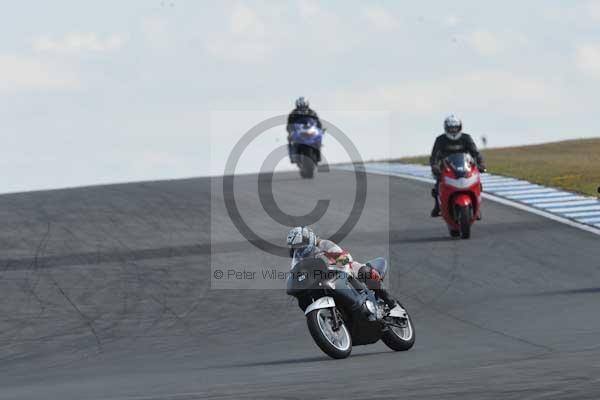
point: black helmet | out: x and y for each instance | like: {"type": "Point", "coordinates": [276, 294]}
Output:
{"type": "Point", "coordinates": [302, 103]}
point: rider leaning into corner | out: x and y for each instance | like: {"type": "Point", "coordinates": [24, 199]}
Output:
{"type": "Point", "coordinates": [453, 140]}
{"type": "Point", "coordinates": [303, 243]}
{"type": "Point", "coordinates": [299, 115]}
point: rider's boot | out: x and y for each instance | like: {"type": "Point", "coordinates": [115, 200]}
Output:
{"type": "Point", "coordinates": [292, 160]}
{"type": "Point", "coordinates": [386, 297]}
{"type": "Point", "coordinates": [371, 278]}
{"type": "Point", "coordinates": [436, 208]}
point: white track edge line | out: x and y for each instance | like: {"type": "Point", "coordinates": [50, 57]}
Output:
{"type": "Point", "coordinates": [542, 213]}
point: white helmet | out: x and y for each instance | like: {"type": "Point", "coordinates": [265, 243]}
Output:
{"type": "Point", "coordinates": [453, 127]}
{"type": "Point", "coordinates": [302, 103]}
{"type": "Point", "coordinates": [303, 239]}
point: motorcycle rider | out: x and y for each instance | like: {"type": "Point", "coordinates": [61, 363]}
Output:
{"type": "Point", "coordinates": [303, 243]}
{"type": "Point", "coordinates": [300, 114]}
{"type": "Point", "coordinates": [453, 140]}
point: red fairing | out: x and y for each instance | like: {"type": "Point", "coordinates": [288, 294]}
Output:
{"type": "Point", "coordinates": [462, 199]}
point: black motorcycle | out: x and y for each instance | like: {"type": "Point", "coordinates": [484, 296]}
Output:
{"type": "Point", "coordinates": [341, 311]}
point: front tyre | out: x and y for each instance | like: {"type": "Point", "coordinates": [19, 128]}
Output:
{"type": "Point", "coordinates": [464, 219]}
{"type": "Point", "coordinates": [454, 233]}
{"type": "Point", "coordinates": [307, 168]}
{"type": "Point", "coordinates": [400, 339]}
{"type": "Point", "coordinates": [334, 343]}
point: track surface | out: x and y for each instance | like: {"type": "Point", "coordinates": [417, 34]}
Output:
{"type": "Point", "coordinates": [106, 295]}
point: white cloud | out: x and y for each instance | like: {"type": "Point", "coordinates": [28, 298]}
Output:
{"type": "Point", "coordinates": [491, 91]}
{"type": "Point", "coordinates": [587, 58]}
{"type": "Point", "coordinates": [155, 31]}
{"type": "Point", "coordinates": [18, 74]}
{"type": "Point", "coordinates": [594, 9]}
{"type": "Point", "coordinates": [485, 43]}
{"type": "Point", "coordinates": [309, 8]}
{"type": "Point", "coordinates": [248, 38]}
{"type": "Point", "coordinates": [78, 42]}
{"type": "Point", "coordinates": [491, 44]}
{"type": "Point", "coordinates": [381, 19]}
{"type": "Point", "coordinates": [253, 35]}
{"type": "Point", "coordinates": [451, 20]}
{"type": "Point", "coordinates": [245, 21]}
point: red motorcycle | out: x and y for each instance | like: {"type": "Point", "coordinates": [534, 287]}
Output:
{"type": "Point", "coordinates": [459, 193]}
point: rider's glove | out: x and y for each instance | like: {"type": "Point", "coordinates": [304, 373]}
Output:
{"type": "Point", "coordinates": [435, 170]}
{"type": "Point", "coordinates": [342, 260]}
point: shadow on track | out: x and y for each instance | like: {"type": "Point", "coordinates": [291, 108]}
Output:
{"type": "Point", "coordinates": [304, 360]}
{"type": "Point", "coordinates": [565, 292]}
{"type": "Point", "coordinates": [432, 239]}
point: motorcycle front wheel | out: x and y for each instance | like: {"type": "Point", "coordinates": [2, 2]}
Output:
{"type": "Point", "coordinates": [307, 167]}
{"type": "Point", "coordinates": [334, 343]}
{"type": "Point", "coordinates": [400, 339]}
{"type": "Point", "coordinates": [464, 219]}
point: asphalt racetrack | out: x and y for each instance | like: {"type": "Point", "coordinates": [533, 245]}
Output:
{"type": "Point", "coordinates": [106, 294]}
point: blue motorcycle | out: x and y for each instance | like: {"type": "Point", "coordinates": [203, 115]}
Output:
{"type": "Point", "coordinates": [305, 146]}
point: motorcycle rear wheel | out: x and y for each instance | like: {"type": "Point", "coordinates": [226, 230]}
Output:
{"type": "Point", "coordinates": [336, 344]}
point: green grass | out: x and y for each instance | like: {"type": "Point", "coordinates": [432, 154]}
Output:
{"type": "Point", "coordinates": [572, 165]}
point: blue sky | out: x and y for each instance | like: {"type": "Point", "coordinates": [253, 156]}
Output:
{"type": "Point", "coordinates": [113, 91]}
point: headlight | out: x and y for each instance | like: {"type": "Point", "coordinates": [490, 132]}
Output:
{"type": "Point", "coordinates": [310, 132]}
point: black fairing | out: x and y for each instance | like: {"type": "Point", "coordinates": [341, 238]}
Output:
{"type": "Point", "coordinates": [306, 275]}
{"type": "Point", "coordinates": [311, 278]}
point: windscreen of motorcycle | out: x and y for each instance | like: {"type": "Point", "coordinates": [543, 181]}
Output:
{"type": "Point", "coordinates": [461, 163]}
{"type": "Point", "coordinates": [305, 121]}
